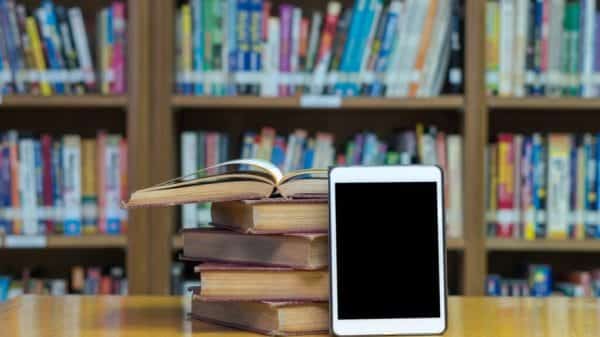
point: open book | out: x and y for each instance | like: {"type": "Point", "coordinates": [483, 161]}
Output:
{"type": "Point", "coordinates": [240, 179]}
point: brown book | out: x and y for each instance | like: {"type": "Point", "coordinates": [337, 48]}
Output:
{"type": "Point", "coordinates": [233, 180]}
{"type": "Point", "coordinates": [269, 318]}
{"type": "Point", "coordinates": [302, 251]}
{"type": "Point", "coordinates": [272, 215]}
{"type": "Point", "coordinates": [227, 282]}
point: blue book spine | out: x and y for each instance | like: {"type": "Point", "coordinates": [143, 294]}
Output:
{"type": "Point", "coordinates": [4, 286]}
{"type": "Point", "coordinates": [538, 87]}
{"type": "Point", "coordinates": [278, 153]}
{"type": "Point", "coordinates": [10, 47]}
{"type": "Point", "coordinates": [353, 88]}
{"type": "Point", "coordinates": [51, 52]}
{"type": "Point", "coordinates": [256, 9]}
{"type": "Point", "coordinates": [351, 43]}
{"type": "Point", "coordinates": [39, 184]}
{"type": "Point", "coordinates": [309, 156]}
{"type": "Point", "coordinates": [572, 224]}
{"type": "Point", "coordinates": [387, 42]}
{"type": "Point", "coordinates": [197, 43]}
{"type": "Point", "coordinates": [538, 161]}
{"type": "Point", "coordinates": [232, 50]}
{"type": "Point", "coordinates": [5, 184]}
{"type": "Point", "coordinates": [591, 188]}
{"type": "Point", "coordinates": [242, 39]}
{"type": "Point", "coordinates": [57, 183]}
{"type": "Point", "coordinates": [597, 186]}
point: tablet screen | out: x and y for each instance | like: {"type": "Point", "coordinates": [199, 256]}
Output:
{"type": "Point", "coordinates": [387, 250]}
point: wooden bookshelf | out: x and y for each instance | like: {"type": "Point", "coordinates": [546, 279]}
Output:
{"type": "Point", "coordinates": [543, 245]}
{"type": "Point", "coordinates": [543, 103]}
{"type": "Point", "coordinates": [449, 102]}
{"type": "Point", "coordinates": [78, 242]}
{"type": "Point", "coordinates": [451, 244]}
{"type": "Point", "coordinates": [84, 101]}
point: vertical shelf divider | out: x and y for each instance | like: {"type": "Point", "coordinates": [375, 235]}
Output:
{"type": "Point", "coordinates": [475, 133]}
{"type": "Point", "coordinates": [162, 141]}
{"type": "Point", "coordinates": [138, 134]}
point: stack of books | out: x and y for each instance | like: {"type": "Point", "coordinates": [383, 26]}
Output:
{"type": "Point", "coordinates": [263, 266]}
{"type": "Point", "coordinates": [375, 48]}
{"type": "Point", "coordinates": [46, 51]}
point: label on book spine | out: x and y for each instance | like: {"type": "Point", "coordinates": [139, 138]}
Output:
{"type": "Point", "coordinates": [25, 241]}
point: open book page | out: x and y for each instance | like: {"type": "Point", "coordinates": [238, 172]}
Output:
{"type": "Point", "coordinates": [312, 173]}
{"type": "Point", "coordinates": [253, 169]}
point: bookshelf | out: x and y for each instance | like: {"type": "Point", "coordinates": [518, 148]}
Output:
{"type": "Point", "coordinates": [152, 117]}
{"type": "Point", "coordinates": [126, 114]}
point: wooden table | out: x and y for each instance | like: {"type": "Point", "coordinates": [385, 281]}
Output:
{"type": "Point", "coordinates": [108, 316]}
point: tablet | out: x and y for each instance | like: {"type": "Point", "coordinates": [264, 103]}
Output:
{"type": "Point", "coordinates": [387, 250]}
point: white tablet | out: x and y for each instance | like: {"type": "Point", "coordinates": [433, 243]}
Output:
{"type": "Point", "coordinates": [387, 250]}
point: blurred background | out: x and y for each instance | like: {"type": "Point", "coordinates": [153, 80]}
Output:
{"type": "Point", "coordinates": [99, 98]}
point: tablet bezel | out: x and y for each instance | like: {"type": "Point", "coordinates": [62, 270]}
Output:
{"type": "Point", "coordinates": [396, 326]}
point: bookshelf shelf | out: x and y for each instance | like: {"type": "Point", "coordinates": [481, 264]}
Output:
{"type": "Point", "coordinates": [449, 102]}
{"type": "Point", "coordinates": [452, 244]}
{"type": "Point", "coordinates": [84, 101]}
{"type": "Point", "coordinates": [543, 245]}
{"type": "Point", "coordinates": [543, 103]}
{"type": "Point", "coordinates": [81, 242]}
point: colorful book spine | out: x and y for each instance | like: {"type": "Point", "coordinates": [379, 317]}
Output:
{"type": "Point", "coordinates": [82, 47]}
{"type": "Point", "coordinates": [89, 199]}
{"type": "Point", "coordinates": [559, 148]}
{"type": "Point", "coordinates": [285, 35]}
{"type": "Point", "coordinates": [117, 86]}
{"type": "Point", "coordinates": [505, 216]}
{"type": "Point", "coordinates": [71, 165]}
{"type": "Point", "coordinates": [492, 52]}
{"type": "Point", "coordinates": [112, 184]}
{"type": "Point", "coordinates": [539, 185]}
{"type": "Point", "coordinates": [527, 205]}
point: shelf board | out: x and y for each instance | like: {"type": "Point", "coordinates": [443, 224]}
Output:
{"type": "Point", "coordinates": [83, 241]}
{"type": "Point", "coordinates": [543, 245]}
{"type": "Point", "coordinates": [250, 102]}
{"type": "Point", "coordinates": [543, 103]}
{"type": "Point", "coordinates": [452, 244]}
{"type": "Point", "coordinates": [83, 101]}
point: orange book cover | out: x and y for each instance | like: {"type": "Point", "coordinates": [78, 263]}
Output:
{"type": "Point", "coordinates": [423, 47]}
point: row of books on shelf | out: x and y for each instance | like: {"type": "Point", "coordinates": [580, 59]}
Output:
{"type": "Point", "coordinates": [62, 185]}
{"type": "Point", "coordinates": [540, 282]}
{"type": "Point", "coordinates": [544, 186]}
{"type": "Point", "coordinates": [542, 48]}
{"type": "Point", "coordinates": [395, 49]}
{"type": "Point", "coordinates": [299, 150]}
{"type": "Point", "coordinates": [46, 50]}
{"type": "Point", "coordinates": [85, 281]}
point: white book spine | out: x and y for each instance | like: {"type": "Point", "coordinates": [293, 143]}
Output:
{"type": "Point", "coordinates": [82, 45]}
{"type": "Point", "coordinates": [455, 160]}
{"type": "Point", "coordinates": [415, 32]}
{"type": "Point", "coordinates": [295, 50]}
{"type": "Point", "coordinates": [27, 185]}
{"type": "Point", "coordinates": [71, 165]}
{"type": "Point", "coordinates": [555, 78]}
{"type": "Point", "coordinates": [271, 59]}
{"type": "Point", "coordinates": [392, 76]}
{"type": "Point", "coordinates": [507, 36]}
{"type": "Point", "coordinates": [519, 51]}
{"type": "Point", "coordinates": [189, 151]}
{"type": "Point", "coordinates": [558, 190]}
{"type": "Point", "coordinates": [113, 184]}
{"type": "Point", "coordinates": [588, 49]}
{"type": "Point", "coordinates": [435, 55]}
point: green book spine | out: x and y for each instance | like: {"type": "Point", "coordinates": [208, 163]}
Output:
{"type": "Point", "coordinates": [217, 11]}
{"type": "Point", "coordinates": [208, 36]}
{"type": "Point", "coordinates": [570, 60]}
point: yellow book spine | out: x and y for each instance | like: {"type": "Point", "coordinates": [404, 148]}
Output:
{"type": "Point", "coordinates": [186, 42]}
{"type": "Point", "coordinates": [38, 57]}
{"type": "Point", "coordinates": [419, 133]}
{"type": "Point", "coordinates": [89, 194]}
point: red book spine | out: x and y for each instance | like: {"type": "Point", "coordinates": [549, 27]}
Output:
{"type": "Point", "coordinates": [331, 20]}
{"type": "Point", "coordinates": [48, 201]}
{"type": "Point", "coordinates": [505, 216]}
{"type": "Point", "coordinates": [265, 20]}
{"type": "Point", "coordinates": [545, 33]}
{"type": "Point", "coordinates": [101, 169]}
{"type": "Point", "coordinates": [105, 285]}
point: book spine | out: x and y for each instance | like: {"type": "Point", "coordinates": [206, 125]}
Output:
{"type": "Point", "coordinates": [570, 56]}
{"type": "Point", "coordinates": [188, 166]}
{"type": "Point", "coordinates": [75, 77]}
{"type": "Point", "coordinates": [580, 201]}
{"type": "Point", "coordinates": [47, 19]}
{"type": "Point", "coordinates": [57, 186]}
{"type": "Point", "coordinates": [573, 180]}
{"type": "Point", "coordinates": [118, 55]}
{"type": "Point", "coordinates": [385, 50]}
{"type": "Point", "coordinates": [15, 186]}
{"type": "Point", "coordinates": [124, 183]}
{"type": "Point", "coordinates": [295, 45]}
{"type": "Point", "coordinates": [587, 47]}
{"type": "Point", "coordinates": [527, 206]}
{"type": "Point", "coordinates": [101, 146]}
{"type": "Point", "coordinates": [271, 59]}
{"type": "Point", "coordinates": [82, 47]}
{"type": "Point", "coordinates": [232, 48]}
{"type": "Point", "coordinates": [28, 187]}
{"type": "Point", "coordinates": [505, 218]}
{"type": "Point", "coordinates": [558, 185]}
{"type": "Point", "coordinates": [591, 166]}
{"type": "Point", "coordinates": [455, 182]}
{"type": "Point", "coordinates": [40, 61]}
{"type": "Point", "coordinates": [198, 43]}
{"type": "Point", "coordinates": [492, 37]}
{"type": "Point", "coordinates": [186, 48]}
{"type": "Point", "coordinates": [5, 219]}
{"type": "Point", "coordinates": [352, 43]}
{"type": "Point", "coordinates": [39, 186]}
{"type": "Point", "coordinates": [359, 66]}
{"type": "Point", "coordinates": [11, 47]}
{"type": "Point", "coordinates": [33, 85]}
{"type": "Point", "coordinates": [255, 36]}
{"type": "Point", "coordinates": [455, 70]}
{"type": "Point", "coordinates": [506, 47]}
{"type": "Point", "coordinates": [313, 40]}
{"type": "Point", "coordinates": [539, 185]}
{"type": "Point", "coordinates": [285, 20]}
{"type": "Point", "coordinates": [517, 157]}
{"type": "Point", "coordinates": [71, 164]}
{"type": "Point", "coordinates": [48, 202]}
{"type": "Point", "coordinates": [555, 48]}
{"type": "Point", "coordinates": [424, 45]}
{"type": "Point", "coordinates": [18, 51]}
{"type": "Point", "coordinates": [520, 46]}
{"type": "Point", "coordinates": [326, 60]}
{"type": "Point", "coordinates": [545, 45]}
{"type": "Point", "coordinates": [89, 199]}
{"type": "Point", "coordinates": [530, 73]}
{"type": "Point", "coordinates": [112, 184]}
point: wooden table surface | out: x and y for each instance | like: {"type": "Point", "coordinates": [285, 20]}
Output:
{"type": "Point", "coordinates": [108, 316]}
